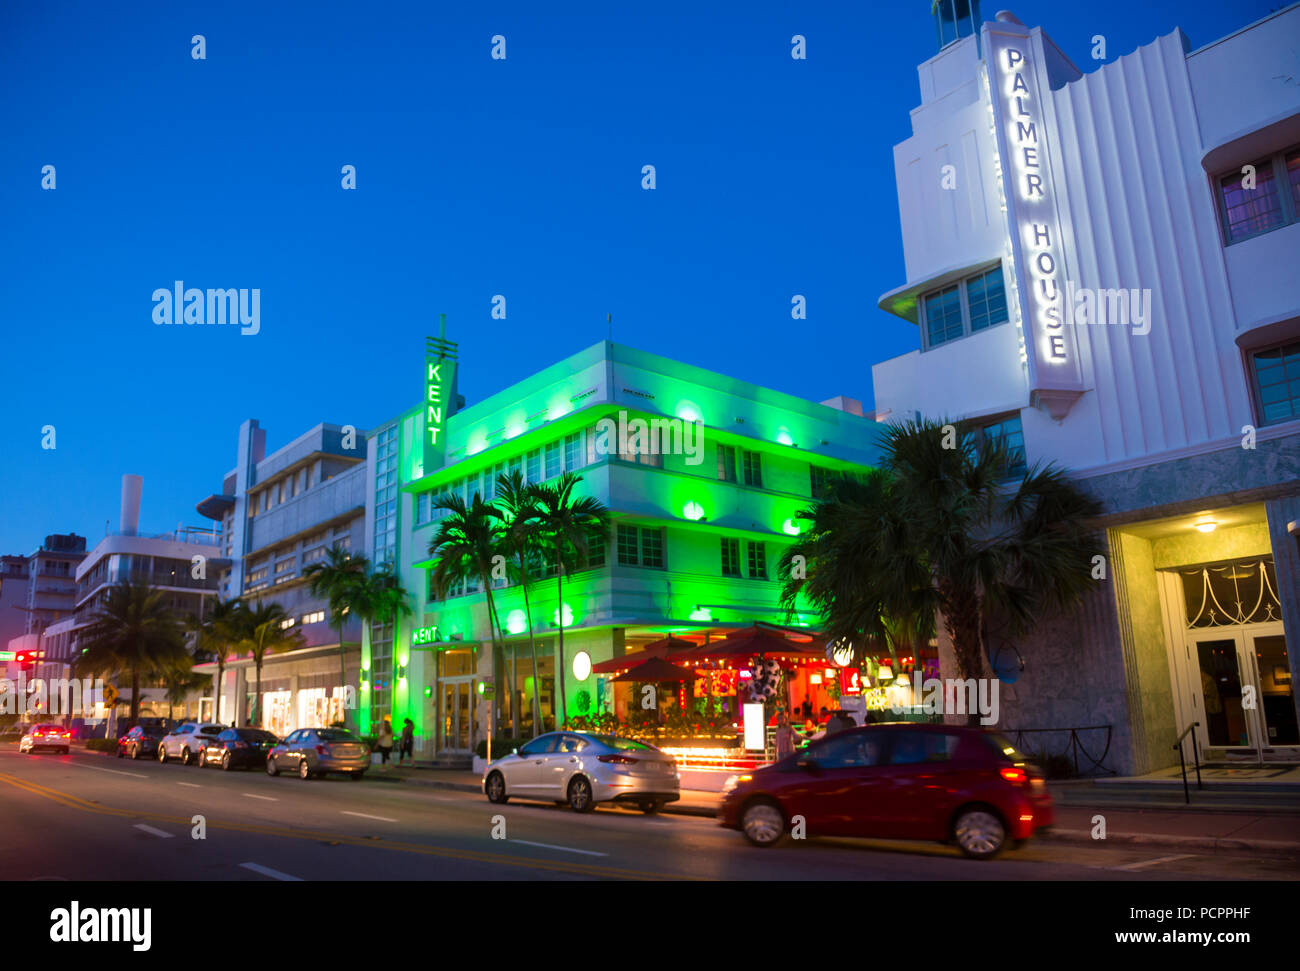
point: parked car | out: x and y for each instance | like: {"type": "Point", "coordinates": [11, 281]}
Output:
{"type": "Point", "coordinates": [316, 751]}
{"type": "Point", "coordinates": [897, 781]}
{"type": "Point", "coordinates": [188, 741]}
{"type": "Point", "coordinates": [45, 736]}
{"type": "Point", "coordinates": [584, 769]}
{"type": "Point", "coordinates": [239, 748]}
{"type": "Point", "coordinates": [140, 742]}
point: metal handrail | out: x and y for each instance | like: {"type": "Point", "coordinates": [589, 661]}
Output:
{"type": "Point", "coordinates": [1075, 744]}
{"type": "Point", "coordinates": [1196, 760]}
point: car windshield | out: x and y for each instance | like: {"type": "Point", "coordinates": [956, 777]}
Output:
{"type": "Point", "coordinates": [335, 735]}
{"type": "Point", "coordinates": [624, 744]}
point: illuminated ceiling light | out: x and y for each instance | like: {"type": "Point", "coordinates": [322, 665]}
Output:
{"type": "Point", "coordinates": [568, 616]}
{"type": "Point", "coordinates": [515, 428]}
{"type": "Point", "coordinates": [688, 412]}
{"type": "Point", "coordinates": [903, 681]}
{"type": "Point", "coordinates": [582, 665]}
{"type": "Point", "coordinates": [516, 622]}
{"type": "Point", "coordinates": [783, 438]}
{"type": "Point", "coordinates": [1207, 526]}
{"type": "Point", "coordinates": [693, 511]}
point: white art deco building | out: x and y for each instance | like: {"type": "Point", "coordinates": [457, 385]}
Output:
{"type": "Point", "coordinates": [1102, 268]}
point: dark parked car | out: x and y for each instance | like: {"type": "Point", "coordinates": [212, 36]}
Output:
{"type": "Point", "coordinates": [239, 748]}
{"type": "Point", "coordinates": [897, 781]}
{"type": "Point", "coordinates": [140, 742]}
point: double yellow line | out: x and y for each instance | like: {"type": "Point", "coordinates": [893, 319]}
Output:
{"type": "Point", "coordinates": [471, 856]}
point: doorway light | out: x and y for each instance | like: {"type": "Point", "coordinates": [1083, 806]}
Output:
{"type": "Point", "coordinates": [1207, 526]}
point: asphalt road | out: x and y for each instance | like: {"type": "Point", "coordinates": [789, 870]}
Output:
{"type": "Point", "coordinates": [88, 816]}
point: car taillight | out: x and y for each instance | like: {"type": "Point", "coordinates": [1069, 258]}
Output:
{"type": "Point", "coordinates": [67, 734]}
{"type": "Point", "coordinates": [1015, 776]}
{"type": "Point", "coordinates": [616, 759]}
{"type": "Point", "coordinates": [38, 734]}
{"type": "Point", "coordinates": [322, 750]}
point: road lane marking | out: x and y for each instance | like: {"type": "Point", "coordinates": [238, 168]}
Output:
{"type": "Point", "coordinates": [160, 833]}
{"type": "Point", "coordinates": [317, 836]}
{"type": "Point", "coordinates": [1147, 863]}
{"type": "Point", "coordinates": [95, 768]}
{"type": "Point", "coordinates": [386, 819]}
{"type": "Point", "coordinates": [266, 871]}
{"type": "Point", "coordinates": [267, 798]}
{"type": "Point", "coordinates": [566, 849]}
{"type": "Point", "coordinates": [190, 785]}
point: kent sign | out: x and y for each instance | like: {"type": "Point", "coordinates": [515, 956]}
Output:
{"type": "Point", "coordinates": [438, 375]}
{"type": "Point", "coordinates": [1021, 127]}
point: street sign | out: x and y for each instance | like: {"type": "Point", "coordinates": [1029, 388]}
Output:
{"type": "Point", "coordinates": [110, 695]}
{"type": "Point", "coordinates": [487, 690]}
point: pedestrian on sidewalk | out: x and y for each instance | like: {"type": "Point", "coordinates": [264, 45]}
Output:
{"type": "Point", "coordinates": [406, 748]}
{"type": "Point", "coordinates": [385, 742]}
{"type": "Point", "coordinates": [784, 738]}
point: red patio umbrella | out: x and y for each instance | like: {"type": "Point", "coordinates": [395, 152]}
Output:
{"type": "Point", "coordinates": [657, 670]}
{"type": "Point", "coordinates": [659, 648]}
{"type": "Point", "coordinates": [746, 644]}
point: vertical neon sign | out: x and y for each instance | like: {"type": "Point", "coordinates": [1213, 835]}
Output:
{"type": "Point", "coordinates": [439, 395]}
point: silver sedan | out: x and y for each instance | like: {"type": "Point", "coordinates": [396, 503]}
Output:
{"type": "Point", "coordinates": [583, 770]}
{"type": "Point", "coordinates": [316, 751]}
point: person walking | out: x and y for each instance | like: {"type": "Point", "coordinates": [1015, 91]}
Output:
{"type": "Point", "coordinates": [784, 738]}
{"type": "Point", "coordinates": [385, 742]}
{"type": "Point", "coordinates": [406, 747]}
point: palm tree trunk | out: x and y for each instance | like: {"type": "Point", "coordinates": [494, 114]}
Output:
{"type": "Point", "coordinates": [343, 679]}
{"type": "Point", "coordinates": [257, 696]}
{"type": "Point", "coordinates": [561, 708]}
{"type": "Point", "coordinates": [221, 677]}
{"type": "Point", "coordinates": [135, 697]}
{"type": "Point", "coordinates": [532, 647]}
{"type": "Point", "coordinates": [963, 623]}
{"type": "Point", "coordinates": [498, 654]}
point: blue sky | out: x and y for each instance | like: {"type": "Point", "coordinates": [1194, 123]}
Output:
{"type": "Point", "coordinates": [475, 177]}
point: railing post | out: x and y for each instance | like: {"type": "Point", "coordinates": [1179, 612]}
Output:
{"type": "Point", "coordinates": [1196, 758]}
{"type": "Point", "coordinates": [1187, 796]}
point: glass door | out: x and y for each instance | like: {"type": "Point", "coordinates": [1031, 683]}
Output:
{"type": "Point", "coordinates": [455, 720]}
{"type": "Point", "coordinates": [1219, 672]}
{"type": "Point", "coordinates": [1272, 671]}
{"type": "Point", "coordinates": [1244, 680]}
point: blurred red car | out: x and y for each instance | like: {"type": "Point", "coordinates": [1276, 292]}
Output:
{"type": "Point", "coordinates": [897, 781]}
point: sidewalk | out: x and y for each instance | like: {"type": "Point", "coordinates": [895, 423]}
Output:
{"type": "Point", "coordinates": [1266, 829]}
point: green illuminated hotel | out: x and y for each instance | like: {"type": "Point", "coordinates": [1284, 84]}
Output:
{"type": "Point", "coordinates": [700, 519]}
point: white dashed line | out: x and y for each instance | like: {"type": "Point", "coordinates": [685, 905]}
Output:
{"type": "Point", "coordinates": [386, 819]}
{"type": "Point", "coordinates": [95, 768]}
{"type": "Point", "coordinates": [566, 849]}
{"type": "Point", "coordinates": [266, 871]}
{"type": "Point", "coordinates": [190, 785]}
{"type": "Point", "coordinates": [1146, 863]}
{"type": "Point", "coordinates": [161, 834]}
{"type": "Point", "coordinates": [267, 798]}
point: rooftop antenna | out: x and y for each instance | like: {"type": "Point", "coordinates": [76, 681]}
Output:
{"type": "Point", "coordinates": [609, 320]}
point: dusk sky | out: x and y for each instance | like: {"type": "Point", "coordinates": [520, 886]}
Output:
{"type": "Point", "coordinates": [475, 177]}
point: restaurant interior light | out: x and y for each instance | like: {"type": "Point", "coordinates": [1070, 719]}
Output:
{"type": "Point", "coordinates": [903, 681]}
{"type": "Point", "coordinates": [1207, 526]}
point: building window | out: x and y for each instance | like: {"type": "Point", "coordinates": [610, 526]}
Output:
{"type": "Point", "coordinates": [971, 305]}
{"type": "Point", "coordinates": [553, 464]}
{"type": "Point", "coordinates": [315, 617]}
{"type": "Point", "coordinates": [573, 452]}
{"type": "Point", "coordinates": [1277, 383]}
{"type": "Point", "coordinates": [818, 481]}
{"type": "Point", "coordinates": [1273, 202]}
{"type": "Point", "coordinates": [752, 465]}
{"type": "Point", "coordinates": [726, 463]}
{"type": "Point", "coordinates": [730, 557]}
{"type": "Point", "coordinates": [757, 561]}
{"type": "Point", "coordinates": [1008, 431]}
{"type": "Point", "coordinates": [640, 547]}
{"type": "Point", "coordinates": [533, 466]}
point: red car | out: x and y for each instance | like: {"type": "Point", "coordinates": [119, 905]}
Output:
{"type": "Point", "coordinates": [897, 781]}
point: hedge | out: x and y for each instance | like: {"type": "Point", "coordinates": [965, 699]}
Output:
{"type": "Point", "coordinates": [101, 745]}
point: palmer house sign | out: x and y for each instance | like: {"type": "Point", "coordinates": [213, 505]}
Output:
{"type": "Point", "coordinates": [1016, 88]}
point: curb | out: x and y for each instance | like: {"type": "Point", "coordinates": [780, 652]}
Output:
{"type": "Point", "coordinates": [672, 807]}
{"type": "Point", "coordinates": [1210, 844]}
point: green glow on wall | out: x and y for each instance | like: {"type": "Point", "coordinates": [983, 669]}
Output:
{"type": "Point", "coordinates": [783, 438]}
{"type": "Point", "coordinates": [568, 616]}
{"type": "Point", "coordinates": [693, 511]}
{"type": "Point", "coordinates": [688, 411]}
{"type": "Point", "coordinates": [515, 427]}
{"type": "Point", "coordinates": [516, 622]}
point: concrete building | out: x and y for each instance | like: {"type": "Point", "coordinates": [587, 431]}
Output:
{"type": "Point", "coordinates": [278, 514]}
{"type": "Point", "coordinates": [1101, 269]}
{"type": "Point", "coordinates": [700, 520]}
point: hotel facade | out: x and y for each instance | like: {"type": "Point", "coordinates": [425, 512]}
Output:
{"type": "Point", "coordinates": [1101, 268]}
{"type": "Point", "coordinates": [698, 526]}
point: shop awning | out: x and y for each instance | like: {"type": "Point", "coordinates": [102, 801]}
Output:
{"type": "Point", "coordinates": [750, 643]}
{"type": "Point", "coordinates": [657, 670]}
{"type": "Point", "coordinates": [659, 648]}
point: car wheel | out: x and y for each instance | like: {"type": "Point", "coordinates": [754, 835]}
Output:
{"type": "Point", "coordinates": [979, 833]}
{"type": "Point", "coordinates": [270, 767]}
{"type": "Point", "coordinates": [649, 806]}
{"type": "Point", "coordinates": [225, 761]}
{"type": "Point", "coordinates": [304, 770]}
{"type": "Point", "coordinates": [763, 823]}
{"type": "Point", "coordinates": [186, 758]}
{"type": "Point", "coordinates": [135, 753]}
{"type": "Point", "coordinates": [580, 797]}
{"type": "Point", "coordinates": [496, 788]}
{"type": "Point", "coordinates": [162, 753]}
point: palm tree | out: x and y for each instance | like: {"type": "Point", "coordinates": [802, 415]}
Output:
{"type": "Point", "coordinates": [180, 682]}
{"type": "Point", "coordinates": [132, 630]}
{"type": "Point", "coordinates": [217, 633]}
{"type": "Point", "coordinates": [340, 581]}
{"type": "Point", "coordinates": [521, 538]}
{"type": "Point", "coordinates": [566, 525]}
{"type": "Point", "coordinates": [264, 633]}
{"type": "Point", "coordinates": [387, 598]}
{"type": "Point", "coordinates": [943, 527]}
{"type": "Point", "coordinates": [467, 541]}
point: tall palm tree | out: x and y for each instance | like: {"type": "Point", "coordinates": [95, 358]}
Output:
{"type": "Point", "coordinates": [521, 540]}
{"type": "Point", "coordinates": [263, 632]}
{"type": "Point", "coordinates": [340, 580]}
{"type": "Point", "coordinates": [387, 598]}
{"type": "Point", "coordinates": [135, 631]}
{"type": "Point", "coordinates": [180, 682]}
{"type": "Point", "coordinates": [217, 633]}
{"type": "Point", "coordinates": [467, 541]}
{"type": "Point", "coordinates": [948, 524]}
{"type": "Point", "coordinates": [566, 526]}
